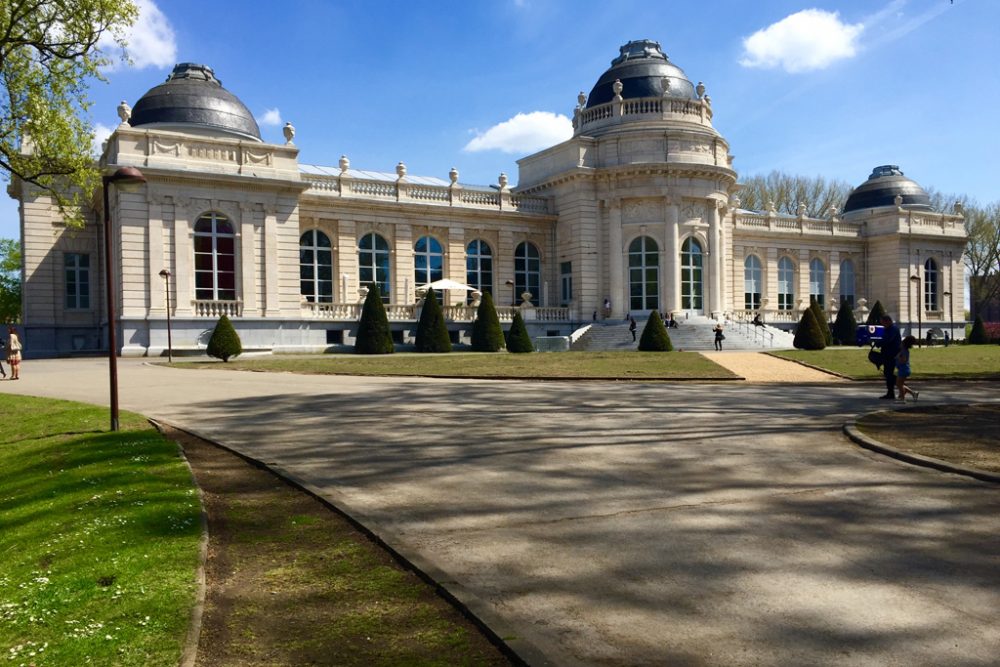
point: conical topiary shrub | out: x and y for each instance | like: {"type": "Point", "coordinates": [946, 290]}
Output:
{"type": "Point", "coordinates": [487, 336]}
{"type": "Point", "coordinates": [225, 342]}
{"type": "Point", "coordinates": [876, 314]}
{"type": "Point", "coordinates": [808, 335]}
{"type": "Point", "coordinates": [518, 339]}
{"type": "Point", "coordinates": [821, 319]}
{"type": "Point", "coordinates": [432, 332]}
{"type": "Point", "coordinates": [978, 334]}
{"type": "Point", "coordinates": [374, 336]}
{"type": "Point", "coordinates": [845, 327]}
{"type": "Point", "coordinates": [654, 335]}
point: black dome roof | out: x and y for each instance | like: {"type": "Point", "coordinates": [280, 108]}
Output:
{"type": "Point", "coordinates": [642, 68]}
{"type": "Point", "coordinates": [881, 189]}
{"type": "Point", "coordinates": [193, 96]}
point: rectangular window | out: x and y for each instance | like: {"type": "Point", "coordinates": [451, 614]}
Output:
{"type": "Point", "coordinates": [77, 281]}
{"type": "Point", "coordinates": [566, 276]}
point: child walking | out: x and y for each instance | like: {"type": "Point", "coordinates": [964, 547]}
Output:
{"type": "Point", "coordinates": [903, 370]}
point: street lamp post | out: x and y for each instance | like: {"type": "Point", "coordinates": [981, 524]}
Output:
{"type": "Point", "coordinates": [920, 320]}
{"type": "Point", "coordinates": [124, 176]}
{"type": "Point", "coordinates": [165, 274]}
{"type": "Point", "coordinates": [951, 317]}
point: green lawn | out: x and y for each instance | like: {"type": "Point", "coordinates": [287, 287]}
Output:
{"type": "Point", "coordinates": [956, 361]}
{"type": "Point", "coordinates": [99, 539]}
{"type": "Point", "coordinates": [603, 365]}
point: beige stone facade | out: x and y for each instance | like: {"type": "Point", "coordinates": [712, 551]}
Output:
{"type": "Point", "coordinates": [640, 208]}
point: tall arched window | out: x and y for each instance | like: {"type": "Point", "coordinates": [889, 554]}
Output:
{"type": "Point", "coordinates": [479, 266]}
{"type": "Point", "coordinates": [428, 261]}
{"type": "Point", "coordinates": [786, 284]}
{"type": "Point", "coordinates": [527, 272]}
{"type": "Point", "coordinates": [315, 267]}
{"type": "Point", "coordinates": [214, 258]}
{"type": "Point", "coordinates": [930, 285]}
{"type": "Point", "coordinates": [644, 274]}
{"type": "Point", "coordinates": [817, 281]}
{"type": "Point", "coordinates": [847, 283]}
{"type": "Point", "coordinates": [373, 263]}
{"type": "Point", "coordinates": [692, 260]}
{"type": "Point", "coordinates": [752, 280]}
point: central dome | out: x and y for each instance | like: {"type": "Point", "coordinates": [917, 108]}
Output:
{"type": "Point", "coordinates": [881, 189]}
{"type": "Point", "coordinates": [645, 71]}
{"type": "Point", "coordinates": [192, 98]}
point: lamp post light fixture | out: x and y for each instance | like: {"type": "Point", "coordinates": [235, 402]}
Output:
{"type": "Point", "coordinates": [920, 320]}
{"type": "Point", "coordinates": [951, 317]}
{"type": "Point", "coordinates": [123, 176]}
{"type": "Point", "coordinates": [513, 292]}
{"type": "Point", "coordinates": [165, 274]}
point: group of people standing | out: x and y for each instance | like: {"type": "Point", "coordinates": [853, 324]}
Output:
{"type": "Point", "coordinates": [13, 355]}
{"type": "Point", "coordinates": [895, 359]}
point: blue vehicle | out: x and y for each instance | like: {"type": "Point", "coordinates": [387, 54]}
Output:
{"type": "Point", "coordinates": [869, 334]}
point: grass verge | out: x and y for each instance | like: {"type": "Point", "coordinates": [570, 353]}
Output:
{"type": "Point", "coordinates": [957, 362]}
{"type": "Point", "coordinates": [100, 538]}
{"type": "Point", "coordinates": [599, 365]}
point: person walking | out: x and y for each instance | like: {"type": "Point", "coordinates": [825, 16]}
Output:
{"type": "Point", "coordinates": [14, 353]}
{"type": "Point", "coordinates": [889, 347]}
{"type": "Point", "coordinates": [632, 327]}
{"type": "Point", "coordinates": [3, 356]}
{"type": "Point", "coordinates": [903, 370]}
{"type": "Point", "coordinates": [719, 337]}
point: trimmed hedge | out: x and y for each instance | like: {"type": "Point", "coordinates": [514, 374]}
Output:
{"type": "Point", "coordinates": [518, 340]}
{"type": "Point", "coordinates": [374, 336]}
{"type": "Point", "coordinates": [876, 314]}
{"type": "Point", "coordinates": [654, 335]}
{"type": "Point", "coordinates": [432, 332]}
{"type": "Point", "coordinates": [809, 335]}
{"type": "Point", "coordinates": [225, 342]}
{"type": "Point", "coordinates": [978, 334]}
{"type": "Point", "coordinates": [487, 335]}
{"type": "Point", "coordinates": [845, 327]}
{"type": "Point", "coordinates": [822, 320]}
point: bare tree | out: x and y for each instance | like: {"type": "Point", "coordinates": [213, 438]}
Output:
{"type": "Point", "coordinates": [787, 192]}
{"type": "Point", "coordinates": [982, 254]}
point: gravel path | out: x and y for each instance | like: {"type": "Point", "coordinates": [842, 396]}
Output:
{"type": "Point", "coordinates": [760, 367]}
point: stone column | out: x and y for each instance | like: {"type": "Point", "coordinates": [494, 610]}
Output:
{"type": "Point", "coordinates": [673, 266]}
{"type": "Point", "coordinates": [248, 262]}
{"type": "Point", "coordinates": [616, 252]}
{"type": "Point", "coordinates": [157, 294]}
{"type": "Point", "coordinates": [715, 260]}
{"type": "Point", "coordinates": [183, 258]}
{"type": "Point", "coordinates": [454, 259]}
{"type": "Point", "coordinates": [401, 264]}
{"type": "Point", "coordinates": [272, 304]}
{"type": "Point", "coordinates": [347, 261]}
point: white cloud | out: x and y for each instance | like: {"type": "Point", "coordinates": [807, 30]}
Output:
{"type": "Point", "coordinates": [270, 117]}
{"type": "Point", "coordinates": [101, 134]}
{"type": "Point", "coordinates": [150, 40]}
{"type": "Point", "coordinates": [524, 133]}
{"type": "Point", "coordinates": [808, 40]}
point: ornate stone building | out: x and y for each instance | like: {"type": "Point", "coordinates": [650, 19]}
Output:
{"type": "Point", "coordinates": [639, 208]}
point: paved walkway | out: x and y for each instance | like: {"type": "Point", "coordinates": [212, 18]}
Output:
{"type": "Point", "coordinates": [759, 367]}
{"type": "Point", "coordinates": [608, 524]}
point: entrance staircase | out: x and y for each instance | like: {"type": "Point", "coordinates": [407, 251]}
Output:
{"type": "Point", "coordinates": [694, 333]}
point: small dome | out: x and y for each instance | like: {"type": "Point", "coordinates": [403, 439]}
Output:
{"type": "Point", "coordinates": [881, 189]}
{"type": "Point", "coordinates": [644, 71]}
{"type": "Point", "coordinates": [192, 96]}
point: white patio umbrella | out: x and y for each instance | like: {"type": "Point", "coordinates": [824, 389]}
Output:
{"type": "Point", "coordinates": [446, 284]}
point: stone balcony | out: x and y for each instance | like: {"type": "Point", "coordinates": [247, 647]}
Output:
{"type": "Point", "coordinates": [616, 112]}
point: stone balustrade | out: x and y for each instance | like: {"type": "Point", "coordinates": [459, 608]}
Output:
{"type": "Point", "coordinates": [645, 108]}
{"type": "Point", "coordinates": [351, 312]}
{"type": "Point", "coordinates": [211, 308]}
{"type": "Point", "coordinates": [347, 186]}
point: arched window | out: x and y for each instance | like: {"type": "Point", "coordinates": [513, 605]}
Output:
{"type": "Point", "coordinates": [644, 274]}
{"type": "Point", "coordinates": [930, 285]}
{"type": "Point", "coordinates": [786, 284]}
{"type": "Point", "coordinates": [428, 261]}
{"type": "Point", "coordinates": [479, 266]}
{"type": "Point", "coordinates": [527, 272]}
{"type": "Point", "coordinates": [752, 280]}
{"type": "Point", "coordinates": [817, 281]}
{"type": "Point", "coordinates": [214, 258]}
{"type": "Point", "coordinates": [373, 263]}
{"type": "Point", "coordinates": [315, 267]}
{"type": "Point", "coordinates": [692, 260]}
{"type": "Point", "coordinates": [847, 283]}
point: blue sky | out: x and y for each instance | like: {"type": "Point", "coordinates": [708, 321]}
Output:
{"type": "Point", "coordinates": [810, 88]}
